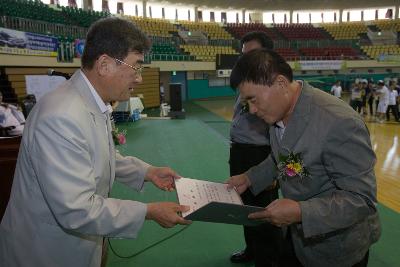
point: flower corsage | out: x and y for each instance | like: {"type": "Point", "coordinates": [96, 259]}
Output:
{"type": "Point", "coordinates": [291, 166]}
{"type": "Point", "coordinates": [119, 137]}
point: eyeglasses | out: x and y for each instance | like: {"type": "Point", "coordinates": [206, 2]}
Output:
{"type": "Point", "coordinates": [245, 107]}
{"type": "Point", "coordinates": [138, 70]}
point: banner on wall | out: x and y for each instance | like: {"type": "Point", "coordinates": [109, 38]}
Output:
{"type": "Point", "coordinates": [389, 58]}
{"type": "Point", "coordinates": [321, 64]}
{"type": "Point", "coordinates": [26, 43]}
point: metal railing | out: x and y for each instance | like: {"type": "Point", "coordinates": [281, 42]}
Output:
{"type": "Point", "coordinates": [170, 57]}
{"type": "Point", "coordinates": [42, 27]}
{"type": "Point", "coordinates": [296, 44]}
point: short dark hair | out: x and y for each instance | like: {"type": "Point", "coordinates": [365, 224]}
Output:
{"type": "Point", "coordinates": [115, 37]}
{"type": "Point", "coordinates": [260, 66]}
{"type": "Point", "coordinates": [261, 37]}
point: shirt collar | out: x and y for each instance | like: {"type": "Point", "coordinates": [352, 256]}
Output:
{"type": "Point", "coordinates": [104, 108]}
{"type": "Point", "coordinates": [280, 124]}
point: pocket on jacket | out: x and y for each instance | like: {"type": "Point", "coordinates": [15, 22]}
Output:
{"type": "Point", "coordinates": [356, 240]}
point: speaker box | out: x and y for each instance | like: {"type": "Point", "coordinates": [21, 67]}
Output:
{"type": "Point", "coordinates": [175, 96]}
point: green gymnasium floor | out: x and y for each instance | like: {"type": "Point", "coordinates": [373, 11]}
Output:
{"type": "Point", "coordinates": [197, 147]}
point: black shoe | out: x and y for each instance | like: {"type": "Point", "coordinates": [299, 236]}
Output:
{"type": "Point", "coordinates": [241, 257]}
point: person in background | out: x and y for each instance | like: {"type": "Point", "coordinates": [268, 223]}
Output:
{"type": "Point", "coordinates": [60, 210]}
{"type": "Point", "coordinates": [324, 161]}
{"type": "Point", "coordinates": [383, 94]}
{"type": "Point", "coordinates": [364, 92]}
{"type": "Point", "coordinates": [356, 96]}
{"type": "Point", "coordinates": [397, 88]}
{"type": "Point", "coordinates": [11, 119]}
{"type": "Point", "coordinates": [336, 89]}
{"type": "Point", "coordinates": [162, 92]}
{"type": "Point", "coordinates": [27, 104]}
{"type": "Point", "coordinates": [250, 146]}
{"type": "Point", "coordinates": [370, 97]}
{"type": "Point", "coordinates": [376, 97]}
{"type": "Point", "coordinates": [393, 97]}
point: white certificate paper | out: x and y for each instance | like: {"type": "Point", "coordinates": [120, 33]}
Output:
{"type": "Point", "coordinates": [198, 193]}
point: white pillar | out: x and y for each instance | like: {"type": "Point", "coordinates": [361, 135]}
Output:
{"type": "Point", "coordinates": [85, 5]}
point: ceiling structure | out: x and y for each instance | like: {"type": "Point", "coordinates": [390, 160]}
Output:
{"type": "Point", "coordinates": [265, 5]}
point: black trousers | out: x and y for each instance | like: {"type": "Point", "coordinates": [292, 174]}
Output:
{"type": "Point", "coordinates": [371, 103]}
{"type": "Point", "coordinates": [356, 105]}
{"type": "Point", "coordinates": [395, 111]}
{"type": "Point", "coordinates": [263, 241]}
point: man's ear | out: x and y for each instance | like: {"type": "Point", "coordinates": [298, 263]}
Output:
{"type": "Point", "coordinates": [282, 81]}
{"type": "Point", "coordinates": [104, 65]}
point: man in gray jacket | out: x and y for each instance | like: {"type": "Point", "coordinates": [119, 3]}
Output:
{"type": "Point", "coordinates": [250, 146]}
{"type": "Point", "coordinates": [60, 210]}
{"type": "Point", "coordinates": [323, 159]}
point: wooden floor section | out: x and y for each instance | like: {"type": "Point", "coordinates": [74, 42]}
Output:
{"type": "Point", "coordinates": [385, 142]}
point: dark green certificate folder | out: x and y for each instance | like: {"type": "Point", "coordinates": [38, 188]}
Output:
{"type": "Point", "coordinates": [229, 213]}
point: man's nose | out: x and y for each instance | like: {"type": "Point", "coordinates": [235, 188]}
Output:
{"type": "Point", "coordinates": [252, 109]}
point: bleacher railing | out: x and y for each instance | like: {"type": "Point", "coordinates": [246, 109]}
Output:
{"type": "Point", "coordinates": [169, 57]}
{"type": "Point", "coordinates": [224, 42]}
{"type": "Point", "coordinates": [297, 44]}
{"type": "Point", "coordinates": [311, 58]}
{"type": "Point", "coordinates": [165, 40]}
{"type": "Point", "coordinates": [42, 27]}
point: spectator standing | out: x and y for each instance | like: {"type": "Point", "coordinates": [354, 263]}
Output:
{"type": "Point", "coordinates": [364, 90]}
{"type": "Point", "coordinates": [393, 97]}
{"type": "Point", "coordinates": [383, 93]}
{"type": "Point", "coordinates": [336, 89]}
{"type": "Point", "coordinates": [370, 97]}
{"type": "Point", "coordinates": [162, 92]}
{"type": "Point", "coordinates": [356, 97]}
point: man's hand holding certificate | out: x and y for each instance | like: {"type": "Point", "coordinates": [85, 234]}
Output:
{"type": "Point", "coordinates": [212, 202]}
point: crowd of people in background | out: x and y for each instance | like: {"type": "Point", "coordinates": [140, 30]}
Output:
{"type": "Point", "coordinates": [380, 100]}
